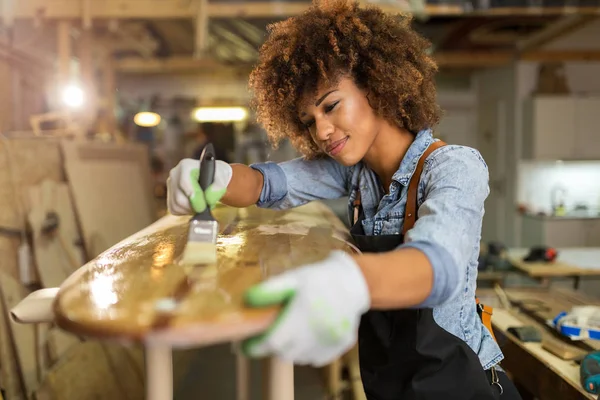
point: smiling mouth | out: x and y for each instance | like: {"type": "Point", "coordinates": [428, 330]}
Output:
{"type": "Point", "coordinates": [336, 146]}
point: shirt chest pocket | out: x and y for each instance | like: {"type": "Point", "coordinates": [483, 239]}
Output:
{"type": "Point", "coordinates": [391, 226]}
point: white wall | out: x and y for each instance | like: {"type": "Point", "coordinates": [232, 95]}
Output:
{"type": "Point", "coordinates": [459, 121]}
{"type": "Point", "coordinates": [496, 140]}
{"type": "Point", "coordinates": [578, 178]}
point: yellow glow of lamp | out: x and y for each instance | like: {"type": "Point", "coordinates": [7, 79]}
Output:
{"type": "Point", "coordinates": [220, 114]}
{"type": "Point", "coordinates": [146, 119]}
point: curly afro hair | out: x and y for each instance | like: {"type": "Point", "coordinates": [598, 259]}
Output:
{"type": "Point", "coordinates": [381, 52]}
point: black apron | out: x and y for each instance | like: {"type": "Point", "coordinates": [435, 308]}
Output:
{"type": "Point", "coordinates": [404, 354]}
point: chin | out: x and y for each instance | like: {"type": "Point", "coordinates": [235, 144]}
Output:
{"type": "Point", "coordinates": [347, 160]}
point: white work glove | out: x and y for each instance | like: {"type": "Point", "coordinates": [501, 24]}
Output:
{"type": "Point", "coordinates": [184, 195]}
{"type": "Point", "coordinates": [322, 304]}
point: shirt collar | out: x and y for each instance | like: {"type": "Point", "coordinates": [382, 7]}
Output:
{"type": "Point", "coordinates": [409, 163]}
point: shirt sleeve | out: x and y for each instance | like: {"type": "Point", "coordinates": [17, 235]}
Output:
{"type": "Point", "coordinates": [298, 181]}
{"type": "Point", "coordinates": [448, 228]}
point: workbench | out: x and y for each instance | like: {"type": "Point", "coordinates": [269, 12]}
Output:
{"type": "Point", "coordinates": [537, 372]}
{"type": "Point", "coordinates": [572, 262]}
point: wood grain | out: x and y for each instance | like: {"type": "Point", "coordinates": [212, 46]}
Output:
{"type": "Point", "coordinates": [136, 290]}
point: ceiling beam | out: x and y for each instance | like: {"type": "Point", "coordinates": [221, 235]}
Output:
{"type": "Point", "coordinates": [450, 59]}
{"type": "Point", "coordinates": [169, 9]}
{"type": "Point", "coordinates": [562, 27]}
{"type": "Point", "coordinates": [488, 59]}
{"type": "Point", "coordinates": [174, 65]}
{"type": "Point", "coordinates": [560, 55]}
{"type": "Point", "coordinates": [472, 59]}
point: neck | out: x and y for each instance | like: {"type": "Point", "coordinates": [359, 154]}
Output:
{"type": "Point", "coordinates": [387, 151]}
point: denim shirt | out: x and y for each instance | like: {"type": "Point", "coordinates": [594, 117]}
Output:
{"type": "Point", "coordinates": [451, 195]}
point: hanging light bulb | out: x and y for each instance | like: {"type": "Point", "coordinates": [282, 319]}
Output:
{"type": "Point", "coordinates": [146, 119]}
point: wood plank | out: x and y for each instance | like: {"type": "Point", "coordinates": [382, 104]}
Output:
{"type": "Point", "coordinates": [570, 262]}
{"type": "Point", "coordinates": [93, 370]}
{"type": "Point", "coordinates": [56, 253]}
{"type": "Point", "coordinates": [543, 374]}
{"type": "Point", "coordinates": [124, 291]}
{"type": "Point", "coordinates": [23, 336]}
{"type": "Point", "coordinates": [23, 162]}
{"type": "Point", "coordinates": [10, 377]}
{"type": "Point", "coordinates": [112, 191]}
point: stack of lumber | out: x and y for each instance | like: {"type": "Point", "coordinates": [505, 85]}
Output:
{"type": "Point", "coordinates": [69, 201]}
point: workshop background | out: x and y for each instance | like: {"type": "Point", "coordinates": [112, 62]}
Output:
{"type": "Point", "coordinates": [99, 99]}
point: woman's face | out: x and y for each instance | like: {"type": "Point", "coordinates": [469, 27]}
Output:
{"type": "Point", "coordinates": [340, 121]}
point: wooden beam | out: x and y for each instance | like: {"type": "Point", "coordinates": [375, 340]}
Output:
{"type": "Point", "coordinates": [201, 26]}
{"type": "Point", "coordinates": [64, 52]}
{"type": "Point", "coordinates": [472, 59]}
{"type": "Point", "coordinates": [169, 9]}
{"type": "Point", "coordinates": [175, 65]}
{"type": "Point", "coordinates": [560, 55]}
{"type": "Point", "coordinates": [560, 28]}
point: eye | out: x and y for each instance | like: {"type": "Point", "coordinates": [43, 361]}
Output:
{"type": "Point", "coordinates": [308, 124]}
{"type": "Point", "coordinates": [330, 107]}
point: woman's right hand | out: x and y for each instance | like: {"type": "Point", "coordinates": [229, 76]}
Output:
{"type": "Point", "coordinates": [184, 195]}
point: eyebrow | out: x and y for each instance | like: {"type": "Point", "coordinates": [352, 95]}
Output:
{"type": "Point", "coordinates": [320, 100]}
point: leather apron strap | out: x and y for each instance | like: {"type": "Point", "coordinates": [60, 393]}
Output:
{"type": "Point", "coordinates": [410, 216]}
{"type": "Point", "coordinates": [485, 312]}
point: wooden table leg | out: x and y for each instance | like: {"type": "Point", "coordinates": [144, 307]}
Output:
{"type": "Point", "coordinates": [334, 379]}
{"type": "Point", "coordinates": [242, 375]}
{"type": "Point", "coordinates": [159, 372]}
{"type": "Point", "coordinates": [278, 380]}
{"type": "Point", "coordinates": [353, 364]}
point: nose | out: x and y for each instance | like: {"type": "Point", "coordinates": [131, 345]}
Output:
{"type": "Point", "coordinates": [323, 129]}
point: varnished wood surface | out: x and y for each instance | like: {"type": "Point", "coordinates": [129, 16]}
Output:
{"type": "Point", "coordinates": [136, 290]}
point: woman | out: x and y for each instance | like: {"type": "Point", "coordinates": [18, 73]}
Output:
{"type": "Point", "coordinates": [353, 89]}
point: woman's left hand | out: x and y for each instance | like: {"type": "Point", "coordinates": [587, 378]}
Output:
{"type": "Point", "coordinates": [322, 304]}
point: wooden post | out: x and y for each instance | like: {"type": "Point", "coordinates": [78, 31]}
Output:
{"type": "Point", "coordinates": [278, 379]}
{"type": "Point", "coordinates": [201, 41]}
{"type": "Point", "coordinates": [64, 53]}
{"type": "Point", "coordinates": [242, 375]}
{"type": "Point", "coordinates": [86, 44]}
{"type": "Point", "coordinates": [159, 372]}
{"type": "Point", "coordinates": [109, 93]}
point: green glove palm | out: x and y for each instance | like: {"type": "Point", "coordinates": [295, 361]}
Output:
{"type": "Point", "coordinates": [211, 196]}
{"type": "Point", "coordinates": [184, 195]}
{"type": "Point", "coordinates": [322, 304]}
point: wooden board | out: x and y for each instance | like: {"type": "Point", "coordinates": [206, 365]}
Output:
{"type": "Point", "coordinates": [24, 162]}
{"type": "Point", "coordinates": [564, 266]}
{"type": "Point", "coordinates": [544, 304]}
{"type": "Point", "coordinates": [94, 370]}
{"type": "Point", "coordinates": [136, 290]}
{"type": "Point", "coordinates": [112, 190]}
{"type": "Point", "coordinates": [57, 255]}
{"type": "Point", "coordinates": [23, 336]}
{"type": "Point", "coordinates": [10, 378]}
{"type": "Point", "coordinates": [541, 372]}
